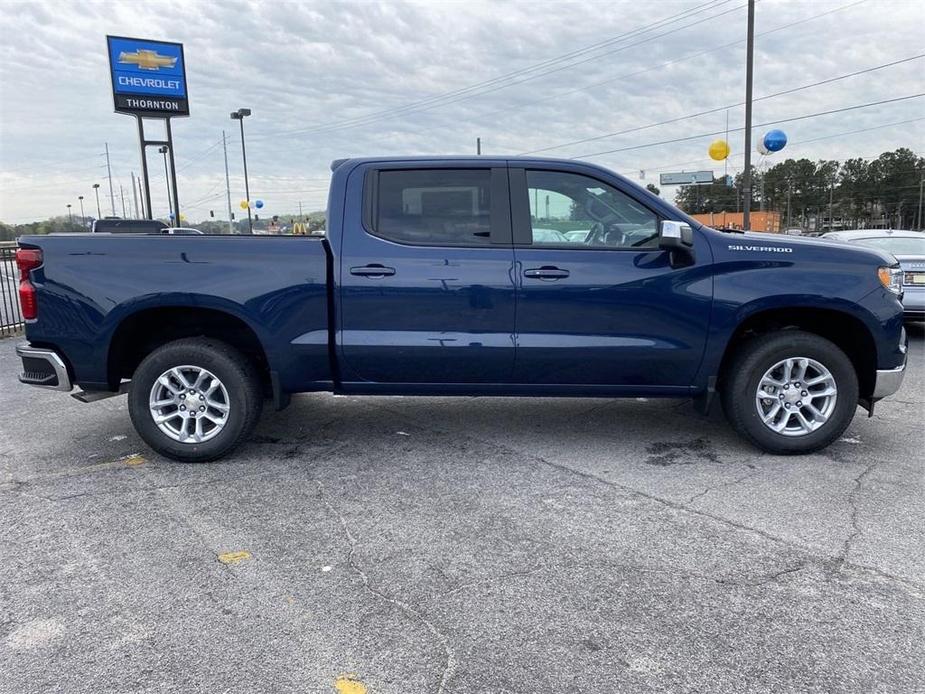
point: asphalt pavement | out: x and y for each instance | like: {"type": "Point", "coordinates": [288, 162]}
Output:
{"type": "Point", "coordinates": [467, 545]}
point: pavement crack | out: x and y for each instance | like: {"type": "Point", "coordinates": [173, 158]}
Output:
{"type": "Point", "coordinates": [500, 578]}
{"type": "Point", "coordinates": [764, 580]}
{"type": "Point", "coordinates": [449, 664]}
{"type": "Point", "coordinates": [724, 485]}
{"type": "Point", "coordinates": [678, 506]}
{"type": "Point", "coordinates": [853, 514]}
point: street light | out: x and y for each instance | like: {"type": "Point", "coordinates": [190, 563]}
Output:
{"type": "Point", "coordinates": [239, 116]}
{"type": "Point", "coordinates": [163, 150]}
{"type": "Point", "coordinates": [70, 219]}
{"type": "Point", "coordinates": [96, 189]}
{"type": "Point", "coordinates": [83, 218]}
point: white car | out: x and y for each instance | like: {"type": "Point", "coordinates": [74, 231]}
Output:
{"type": "Point", "coordinates": [909, 249]}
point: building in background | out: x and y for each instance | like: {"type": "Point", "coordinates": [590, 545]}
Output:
{"type": "Point", "coordinates": [761, 221]}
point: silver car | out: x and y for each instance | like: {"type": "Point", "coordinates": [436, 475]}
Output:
{"type": "Point", "coordinates": [909, 249]}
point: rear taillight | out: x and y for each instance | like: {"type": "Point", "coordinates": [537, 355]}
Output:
{"type": "Point", "coordinates": [27, 259]}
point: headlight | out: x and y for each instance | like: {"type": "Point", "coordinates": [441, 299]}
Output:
{"type": "Point", "coordinates": [891, 278]}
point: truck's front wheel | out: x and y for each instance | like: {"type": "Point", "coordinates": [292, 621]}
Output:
{"type": "Point", "coordinates": [790, 392]}
{"type": "Point", "coordinates": [195, 399]}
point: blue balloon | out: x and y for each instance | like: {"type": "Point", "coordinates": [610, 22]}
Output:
{"type": "Point", "coordinates": [259, 203]}
{"type": "Point", "coordinates": [775, 140]}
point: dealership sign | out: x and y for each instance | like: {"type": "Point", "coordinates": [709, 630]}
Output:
{"type": "Point", "coordinates": [685, 178]}
{"type": "Point", "coordinates": [148, 77]}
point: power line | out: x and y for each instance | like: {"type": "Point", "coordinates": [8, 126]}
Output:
{"type": "Point", "coordinates": [728, 106]}
{"type": "Point", "coordinates": [757, 125]}
{"type": "Point", "coordinates": [684, 58]}
{"type": "Point", "coordinates": [479, 89]}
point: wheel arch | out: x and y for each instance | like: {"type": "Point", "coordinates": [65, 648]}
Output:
{"type": "Point", "coordinates": [141, 332]}
{"type": "Point", "coordinates": [842, 328]}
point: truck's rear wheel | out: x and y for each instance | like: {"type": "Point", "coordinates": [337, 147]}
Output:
{"type": "Point", "coordinates": [195, 399]}
{"type": "Point", "coordinates": [790, 392]}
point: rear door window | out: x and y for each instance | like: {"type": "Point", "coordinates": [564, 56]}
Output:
{"type": "Point", "coordinates": [434, 207]}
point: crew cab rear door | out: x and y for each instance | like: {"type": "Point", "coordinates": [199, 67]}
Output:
{"type": "Point", "coordinates": [598, 302]}
{"type": "Point", "coordinates": [426, 276]}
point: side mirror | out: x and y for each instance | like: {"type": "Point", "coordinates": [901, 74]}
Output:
{"type": "Point", "coordinates": [678, 239]}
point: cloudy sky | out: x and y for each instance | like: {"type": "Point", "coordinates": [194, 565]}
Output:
{"type": "Point", "coordinates": [334, 79]}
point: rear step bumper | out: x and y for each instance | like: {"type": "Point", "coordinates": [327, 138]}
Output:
{"type": "Point", "coordinates": [43, 368]}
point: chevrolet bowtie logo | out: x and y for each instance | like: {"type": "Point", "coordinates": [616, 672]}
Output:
{"type": "Point", "coordinates": [147, 59]}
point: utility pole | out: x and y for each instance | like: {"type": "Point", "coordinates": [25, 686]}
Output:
{"type": "Point", "coordinates": [921, 189]}
{"type": "Point", "coordinates": [831, 205]}
{"type": "Point", "coordinates": [112, 194]}
{"type": "Point", "coordinates": [227, 184]}
{"type": "Point", "coordinates": [135, 197]}
{"type": "Point", "coordinates": [764, 179]}
{"type": "Point", "coordinates": [145, 214]}
{"type": "Point", "coordinates": [300, 211]}
{"type": "Point", "coordinates": [749, 62]}
{"type": "Point", "coordinates": [478, 145]}
{"type": "Point", "coordinates": [789, 191]}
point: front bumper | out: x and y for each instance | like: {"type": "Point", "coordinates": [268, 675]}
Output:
{"type": "Point", "coordinates": [888, 381]}
{"type": "Point", "coordinates": [43, 368]}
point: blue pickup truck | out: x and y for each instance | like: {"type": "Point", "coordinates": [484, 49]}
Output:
{"type": "Point", "coordinates": [454, 276]}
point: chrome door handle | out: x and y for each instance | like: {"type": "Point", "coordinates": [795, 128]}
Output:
{"type": "Point", "coordinates": [546, 273]}
{"type": "Point", "coordinates": [372, 270]}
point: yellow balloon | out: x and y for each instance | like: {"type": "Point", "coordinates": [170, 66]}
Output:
{"type": "Point", "coordinates": [719, 150]}
{"type": "Point", "coordinates": [244, 204]}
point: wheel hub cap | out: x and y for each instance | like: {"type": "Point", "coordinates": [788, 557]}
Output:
{"type": "Point", "coordinates": [189, 404]}
{"type": "Point", "coordinates": [796, 396]}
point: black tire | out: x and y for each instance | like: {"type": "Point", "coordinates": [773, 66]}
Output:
{"type": "Point", "coordinates": [235, 371]}
{"type": "Point", "coordinates": [749, 365]}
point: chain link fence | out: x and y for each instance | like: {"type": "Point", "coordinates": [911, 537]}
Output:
{"type": "Point", "coordinates": [11, 322]}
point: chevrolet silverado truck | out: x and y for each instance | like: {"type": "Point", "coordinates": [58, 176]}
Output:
{"type": "Point", "coordinates": [441, 276]}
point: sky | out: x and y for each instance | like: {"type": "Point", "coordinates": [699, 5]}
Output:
{"type": "Point", "coordinates": [327, 80]}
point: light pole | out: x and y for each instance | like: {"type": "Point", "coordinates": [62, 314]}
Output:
{"type": "Point", "coordinates": [239, 116]}
{"type": "Point", "coordinates": [96, 189]}
{"type": "Point", "coordinates": [163, 150]}
{"type": "Point", "coordinates": [70, 219]}
{"type": "Point", "coordinates": [83, 217]}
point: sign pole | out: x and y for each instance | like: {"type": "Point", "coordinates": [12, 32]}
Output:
{"type": "Point", "coordinates": [144, 168]}
{"type": "Point", "coordinates": [173, 175]}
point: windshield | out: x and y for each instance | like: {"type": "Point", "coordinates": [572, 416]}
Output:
{"type": "Point", "coordinates": [897, 245]}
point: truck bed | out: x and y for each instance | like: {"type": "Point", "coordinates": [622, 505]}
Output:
{"type": "Point", "coordinates": [277, 286]}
